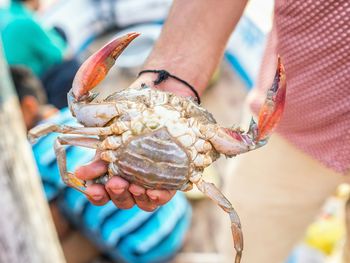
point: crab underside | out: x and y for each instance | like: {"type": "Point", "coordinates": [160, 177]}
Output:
{"type": "Point", "coordinates": [154, 138]}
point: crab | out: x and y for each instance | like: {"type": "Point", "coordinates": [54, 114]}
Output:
{"type": "Point", "coordinates": [153, 138]}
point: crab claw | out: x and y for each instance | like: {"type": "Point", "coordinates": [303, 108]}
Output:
{"type": "Point", "coordinates": [271, 111]}
{"type": "Point", "coordinates": [96, 67]}
{"type": "Point", "coordinates": [234, 141]}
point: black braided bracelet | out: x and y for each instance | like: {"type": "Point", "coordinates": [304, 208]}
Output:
{"type": "Point", "coordinates": [164, 75]}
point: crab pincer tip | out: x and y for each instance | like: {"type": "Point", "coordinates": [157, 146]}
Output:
{"type": "Point", "coordinates": [271, 111]}
{"type": "Point", "coordinates": [96, 67]}
{"type": "Point", "coordinates": [280, 67]}
{"type": "Point", "coordinates": [280, 76]}
{"type": "Point", "coordinates": [133, 35]}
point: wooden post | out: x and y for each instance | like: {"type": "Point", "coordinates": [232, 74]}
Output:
{"type": "Point", "coordinates": [26, 230]}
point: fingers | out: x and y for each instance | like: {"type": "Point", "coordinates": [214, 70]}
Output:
{"type": "Point", "coordinates": [141, 198]}
{"type": "Point", "coordinates": [160, 197]}
{"type": "Point", "coordinates": [117, 189]}
{"type": "Point", "coordinates": [97, 194]}
{"type": "Point", "coordinates": [122, 194]}
{"type": "Point", "coordinates": [92, 170]}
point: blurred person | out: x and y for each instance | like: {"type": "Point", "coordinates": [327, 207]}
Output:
{"type": "Point", "coordinates": [279, 189]}
{"type": "Point", "coordinates": [26, 42]}
{"type": "Point", "coordinates": [124, 235]}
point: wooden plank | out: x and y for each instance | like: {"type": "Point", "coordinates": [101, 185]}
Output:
{"type": "Point", "coordinates": [27, 233]}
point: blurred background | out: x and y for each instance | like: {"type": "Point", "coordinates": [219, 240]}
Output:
{"type": "Point", "coordinates": [85, 25]}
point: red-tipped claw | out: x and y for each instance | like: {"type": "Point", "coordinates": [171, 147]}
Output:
{"type": "Point", "coordinates": [234, 141]}
{"type": "Point", "coordinates": [271, 111]}
{"type": "Point", "coordinates": [96, 67]}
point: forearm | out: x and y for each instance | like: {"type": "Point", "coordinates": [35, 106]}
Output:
{"type": "Point", "coordinates": [193, 40]}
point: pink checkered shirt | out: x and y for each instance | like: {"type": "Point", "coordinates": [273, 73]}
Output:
{"type": "Point", "coordinates": [313, 39]}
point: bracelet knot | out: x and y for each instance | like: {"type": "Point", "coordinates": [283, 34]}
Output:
{"type": "Point", "coordinates": [163, 75]}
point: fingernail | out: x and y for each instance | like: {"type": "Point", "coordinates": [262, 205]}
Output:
{"type": "Point", "coordinates": [137, 193]}
{"type": "Point", "coordinates": [136, 190]}
{"type": "Point", "coordinates": [118, 191]}
{"type": "Point", "coordinates": [97, 197]}
{"type": "Point", "coordinates": [153, 197]}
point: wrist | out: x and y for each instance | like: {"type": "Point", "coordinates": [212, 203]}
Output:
{"type": "Point", "coordinates": [169, 84]}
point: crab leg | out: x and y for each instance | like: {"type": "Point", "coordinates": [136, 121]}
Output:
{"type": "Point", "coordinates": [47, 128]}
{"type": "Point", "coordinates": [81, 141]}
{"type": "Point", "coordinates": [89, 75]}
{"type": "Point", "coordinates": [96, 114]}
{"type": "Point", "coordinates": [233, 141]}
{"type": "Point", "coordinates": [214, 193]}
{"type": "Point", "coordinates": [116, 128]}
{"type": "Point", "coordinates": [68, 178]}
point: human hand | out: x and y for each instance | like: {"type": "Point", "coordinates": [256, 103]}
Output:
{"type": "Point", "coordinates": [122, 193]}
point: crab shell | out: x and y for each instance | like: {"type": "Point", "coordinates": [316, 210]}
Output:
{"type": "Point", "coordinates": [158, 144]}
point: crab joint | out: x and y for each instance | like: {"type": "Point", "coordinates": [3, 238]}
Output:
{"type": "Point", "coordinates": [120, 127]}
{"type": "Point", "coordinates": [108, 156]}
{"type": "Point", "coordinates": [111, 143]}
